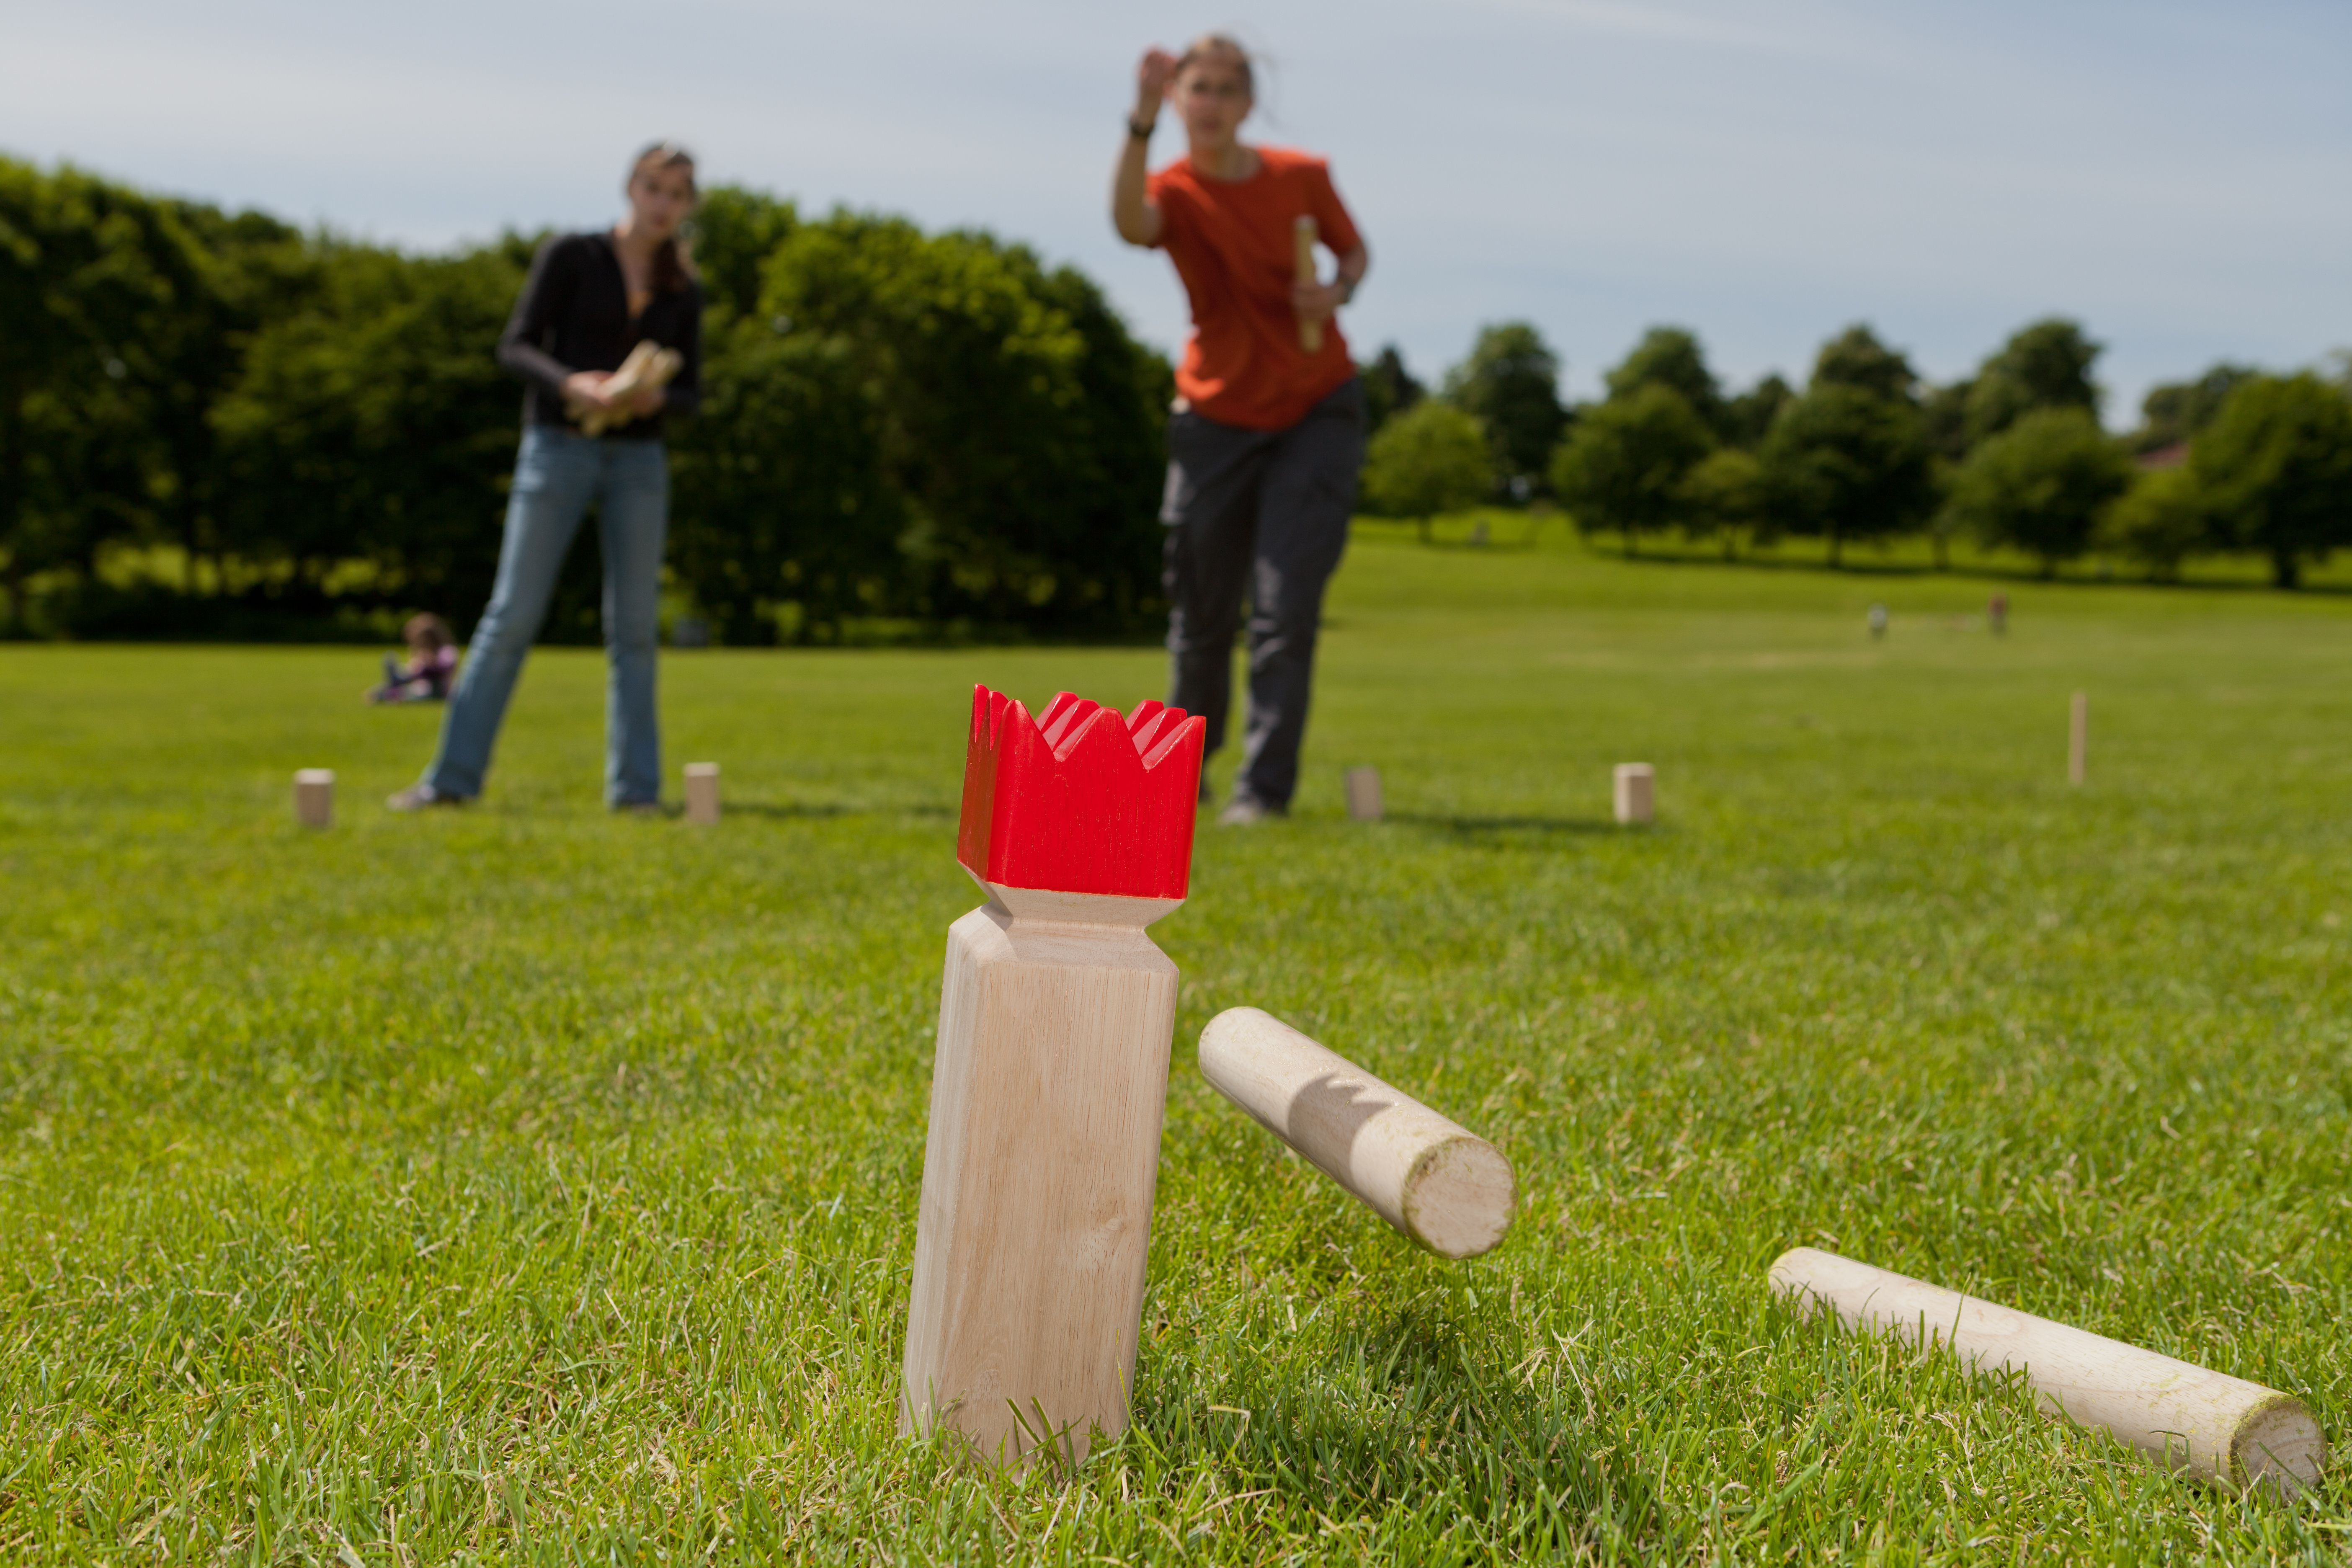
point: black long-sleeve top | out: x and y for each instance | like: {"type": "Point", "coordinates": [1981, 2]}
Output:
{"type": "Point", "coordinates": [574, 315]}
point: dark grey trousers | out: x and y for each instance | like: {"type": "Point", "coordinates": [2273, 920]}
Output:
{"type": "Point", "coordinates": [1263, 512]}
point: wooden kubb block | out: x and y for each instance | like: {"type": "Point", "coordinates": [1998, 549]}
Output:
{"type": "Point", "coordinates": [314, 797]}
{"type": "Point", "coordinates": [1364, 802]}
{"type": "Point", "coordinates": [1634, 786]}
{"type": "Point", "coordinates": [1050, 1077]}
{"type": "Point", "coordinates": [702, 794]}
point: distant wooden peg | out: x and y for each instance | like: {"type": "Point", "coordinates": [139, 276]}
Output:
{"type": "Point", "coordinates": [1310, 333]}
{"type": "Point", "coordinates": [314, 797]}
{"type": "Point", "coordinates": [2078, 736]}
{"type": "Point", "coordinates": [702, 793]}
{"type": "Point", "coordinates": [2200, 1423]}
{"type": "Point", "coordinates": [1364, 803]}
{"type": "Point", "coordinates": [1635, 782]}
{"type": "Point", "coordinates": [1435, 1179]}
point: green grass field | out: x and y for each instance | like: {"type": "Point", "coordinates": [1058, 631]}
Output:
{"type": "Point", "coordinates": [527, 1184]}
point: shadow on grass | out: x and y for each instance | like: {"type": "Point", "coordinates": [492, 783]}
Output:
{"type": "Point", "coordinates": [1406, 1407]}
{"type": "Point", "coordinates": [1491, 826]}
{"type": "Point", "coordinates": [793, 811]}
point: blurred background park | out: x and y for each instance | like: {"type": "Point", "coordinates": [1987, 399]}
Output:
{"type": "Point", "coordinates": [2009, 296]}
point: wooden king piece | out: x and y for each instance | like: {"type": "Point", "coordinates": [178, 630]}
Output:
{"type": "Point", "coordinates": [1050, 1076]}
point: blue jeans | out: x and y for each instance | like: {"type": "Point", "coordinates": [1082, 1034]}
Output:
{"type": "Point", "coordinates": [557, 475]}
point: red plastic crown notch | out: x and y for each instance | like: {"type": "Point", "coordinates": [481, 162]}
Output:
{"type": "Point", "coordinates": [1078, 800]}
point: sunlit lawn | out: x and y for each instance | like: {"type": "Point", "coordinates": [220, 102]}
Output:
{"type": "Point", "coordinates": [529, 1185]}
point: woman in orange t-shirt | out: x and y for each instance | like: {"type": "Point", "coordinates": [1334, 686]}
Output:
{"type": "Point", "coordinates": [1268, 426]}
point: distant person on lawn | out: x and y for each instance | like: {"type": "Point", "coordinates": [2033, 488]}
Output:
{"type": "Point", "coordinates": [590, 299]}
{"type": "Point", "coordinates": [1266, 437]}
{"type": "Point", "coordinates": [432, 664]}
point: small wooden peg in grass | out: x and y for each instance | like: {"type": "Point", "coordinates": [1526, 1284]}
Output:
{"type": "Point", "coordinates": [1635, 782]}
{"type": "Point", "coordinates": [702, 793]}
{"type": "Point", "coordinates": [314, 797]}
{"type": "Point", "coordinates": [1310, 333]}
{"type": "Point", "coordinates": [1364, 804]}
{"type": "Point", "coordinates": [1435, 1179]}
{"type": "Point", "coordinates": [2198, 1423]}
{"type": "Point", "coordinates": [2078, 736]}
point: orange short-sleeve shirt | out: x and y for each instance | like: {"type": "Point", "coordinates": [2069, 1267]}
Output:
{"type": "Point", "coordinates": [1232, 243]}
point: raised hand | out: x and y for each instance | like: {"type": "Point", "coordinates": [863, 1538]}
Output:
{"type": "Point", "coordinates": [1151, 81]}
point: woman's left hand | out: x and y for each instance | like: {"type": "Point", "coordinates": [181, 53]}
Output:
{"type": "Point", "coordinates": [1317, 301]}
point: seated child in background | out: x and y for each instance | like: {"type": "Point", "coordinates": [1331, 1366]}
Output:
{"type": "Point", "coordinates": [432, 664]}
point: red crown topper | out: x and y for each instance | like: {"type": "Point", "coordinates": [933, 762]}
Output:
{"type": "Point", "coordinates": [1075, 802]}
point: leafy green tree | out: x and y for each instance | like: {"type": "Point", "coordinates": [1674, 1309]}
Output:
{"type": "Point", "coordinates": [2159, 523]}
{"type": "Point", "coordinates": [2041, 485]}
{"type": "Point", "coordinates": [121, 325]}
{"type": "Point", "coordinates": [2275, 468]}
{"type": "Point", "coordinates": [1857, 358]}
{"type": "Point", "coordinates": [1724, 497]}
{"type": "Point", "coordinates": [1749, 415]}
{"type": "Point", "coordinates": [373, 424]}
{"type": "Point", "coordinates": [2174, 412]}
{"type": "Point", "coordinates": [1846, 465]}
{"type": "Point", "coordinates": [785, 526]}
{"type": "Point", "coordinates": [1945, 410]}
{"type": "Point", "coordinates": [1510, 384]}
{"type": "Point", "coordinates": [1670, 357]}
{"type": "Point", "coordinates": [1388, 388]}
{"type": "Point", "coordinates": [2045, 365]}
{"type": "Point", "coordinates": [733, 233]}
{"type": "Point", "coordinates": [1431, 458]}
{"type": "Point", "coordinates": [1627, 465]}
{"type": "Point", "coordinates": [1021, 425]}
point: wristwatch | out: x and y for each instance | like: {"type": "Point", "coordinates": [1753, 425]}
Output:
{"type": "Point", "coordinates": [1141, 132]}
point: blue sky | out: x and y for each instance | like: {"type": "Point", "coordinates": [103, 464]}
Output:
{"type": "Point", "coordinates": [2177, 176]}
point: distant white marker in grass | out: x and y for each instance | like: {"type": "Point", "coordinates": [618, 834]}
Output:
{"type": "Point", "coordinates": [1435, 1179]}
{"type": "Point", "coordinates": [314, 797]}
{"type": "Point", "coordinates": [2078, 736]}
{"type": "Point", "coordinates": [1636, 783]}
{"type": "Point", "coordinates": [2197, 1422]}
{"type": "Point", "coordinates": [1364, 804]}
{"type": "Point", "coordinates": [702, 793]}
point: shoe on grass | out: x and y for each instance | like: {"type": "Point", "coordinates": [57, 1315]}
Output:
{"type": "Point", "coordinates": [1245, 811]}
{"type": "Point", "coordinates": [421, 797]}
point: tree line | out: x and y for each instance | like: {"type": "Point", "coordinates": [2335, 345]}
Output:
{"type": "Point", "coordinates": [290, 434]}
{"type": "Point", "coordinates": [903, 434]}
{"type": "Point", "coordinates": [2014, 456]}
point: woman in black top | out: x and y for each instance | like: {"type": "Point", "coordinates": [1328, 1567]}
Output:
{"type": "Point", "coordinates": [591, 298]}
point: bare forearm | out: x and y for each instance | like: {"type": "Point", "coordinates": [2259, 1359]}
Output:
{"type": "Point", "coordinates": [1131, 212]}
{"type": "Point", "coordinates": [1352, 267]}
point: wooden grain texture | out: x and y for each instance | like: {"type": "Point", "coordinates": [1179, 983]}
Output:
{"type": "Point", "coordinates": [1635, 787]}
{"type": "Point", "coordinates": [648, 366]}
{"type": "Point", "coordinates": [2078, 737]}
{"type": "Point", "coordinates": [2204, 1424]}
{"type": "Point", "coordinates": [1364, 801]}
{"type": "Point", "coordinates": [314, 797]}
{"type": "Point", "coordinates": [702, 794]}
{"type": "Point", "coordinates": [1048, 1085]}
{"type": "Point", "coordinates": [1432, 1179]}
{"type": "Point", "coordinates": [1310, 333]}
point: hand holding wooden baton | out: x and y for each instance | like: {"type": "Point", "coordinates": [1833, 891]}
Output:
{"type": "Point", "coordinates": [1311, 330]}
